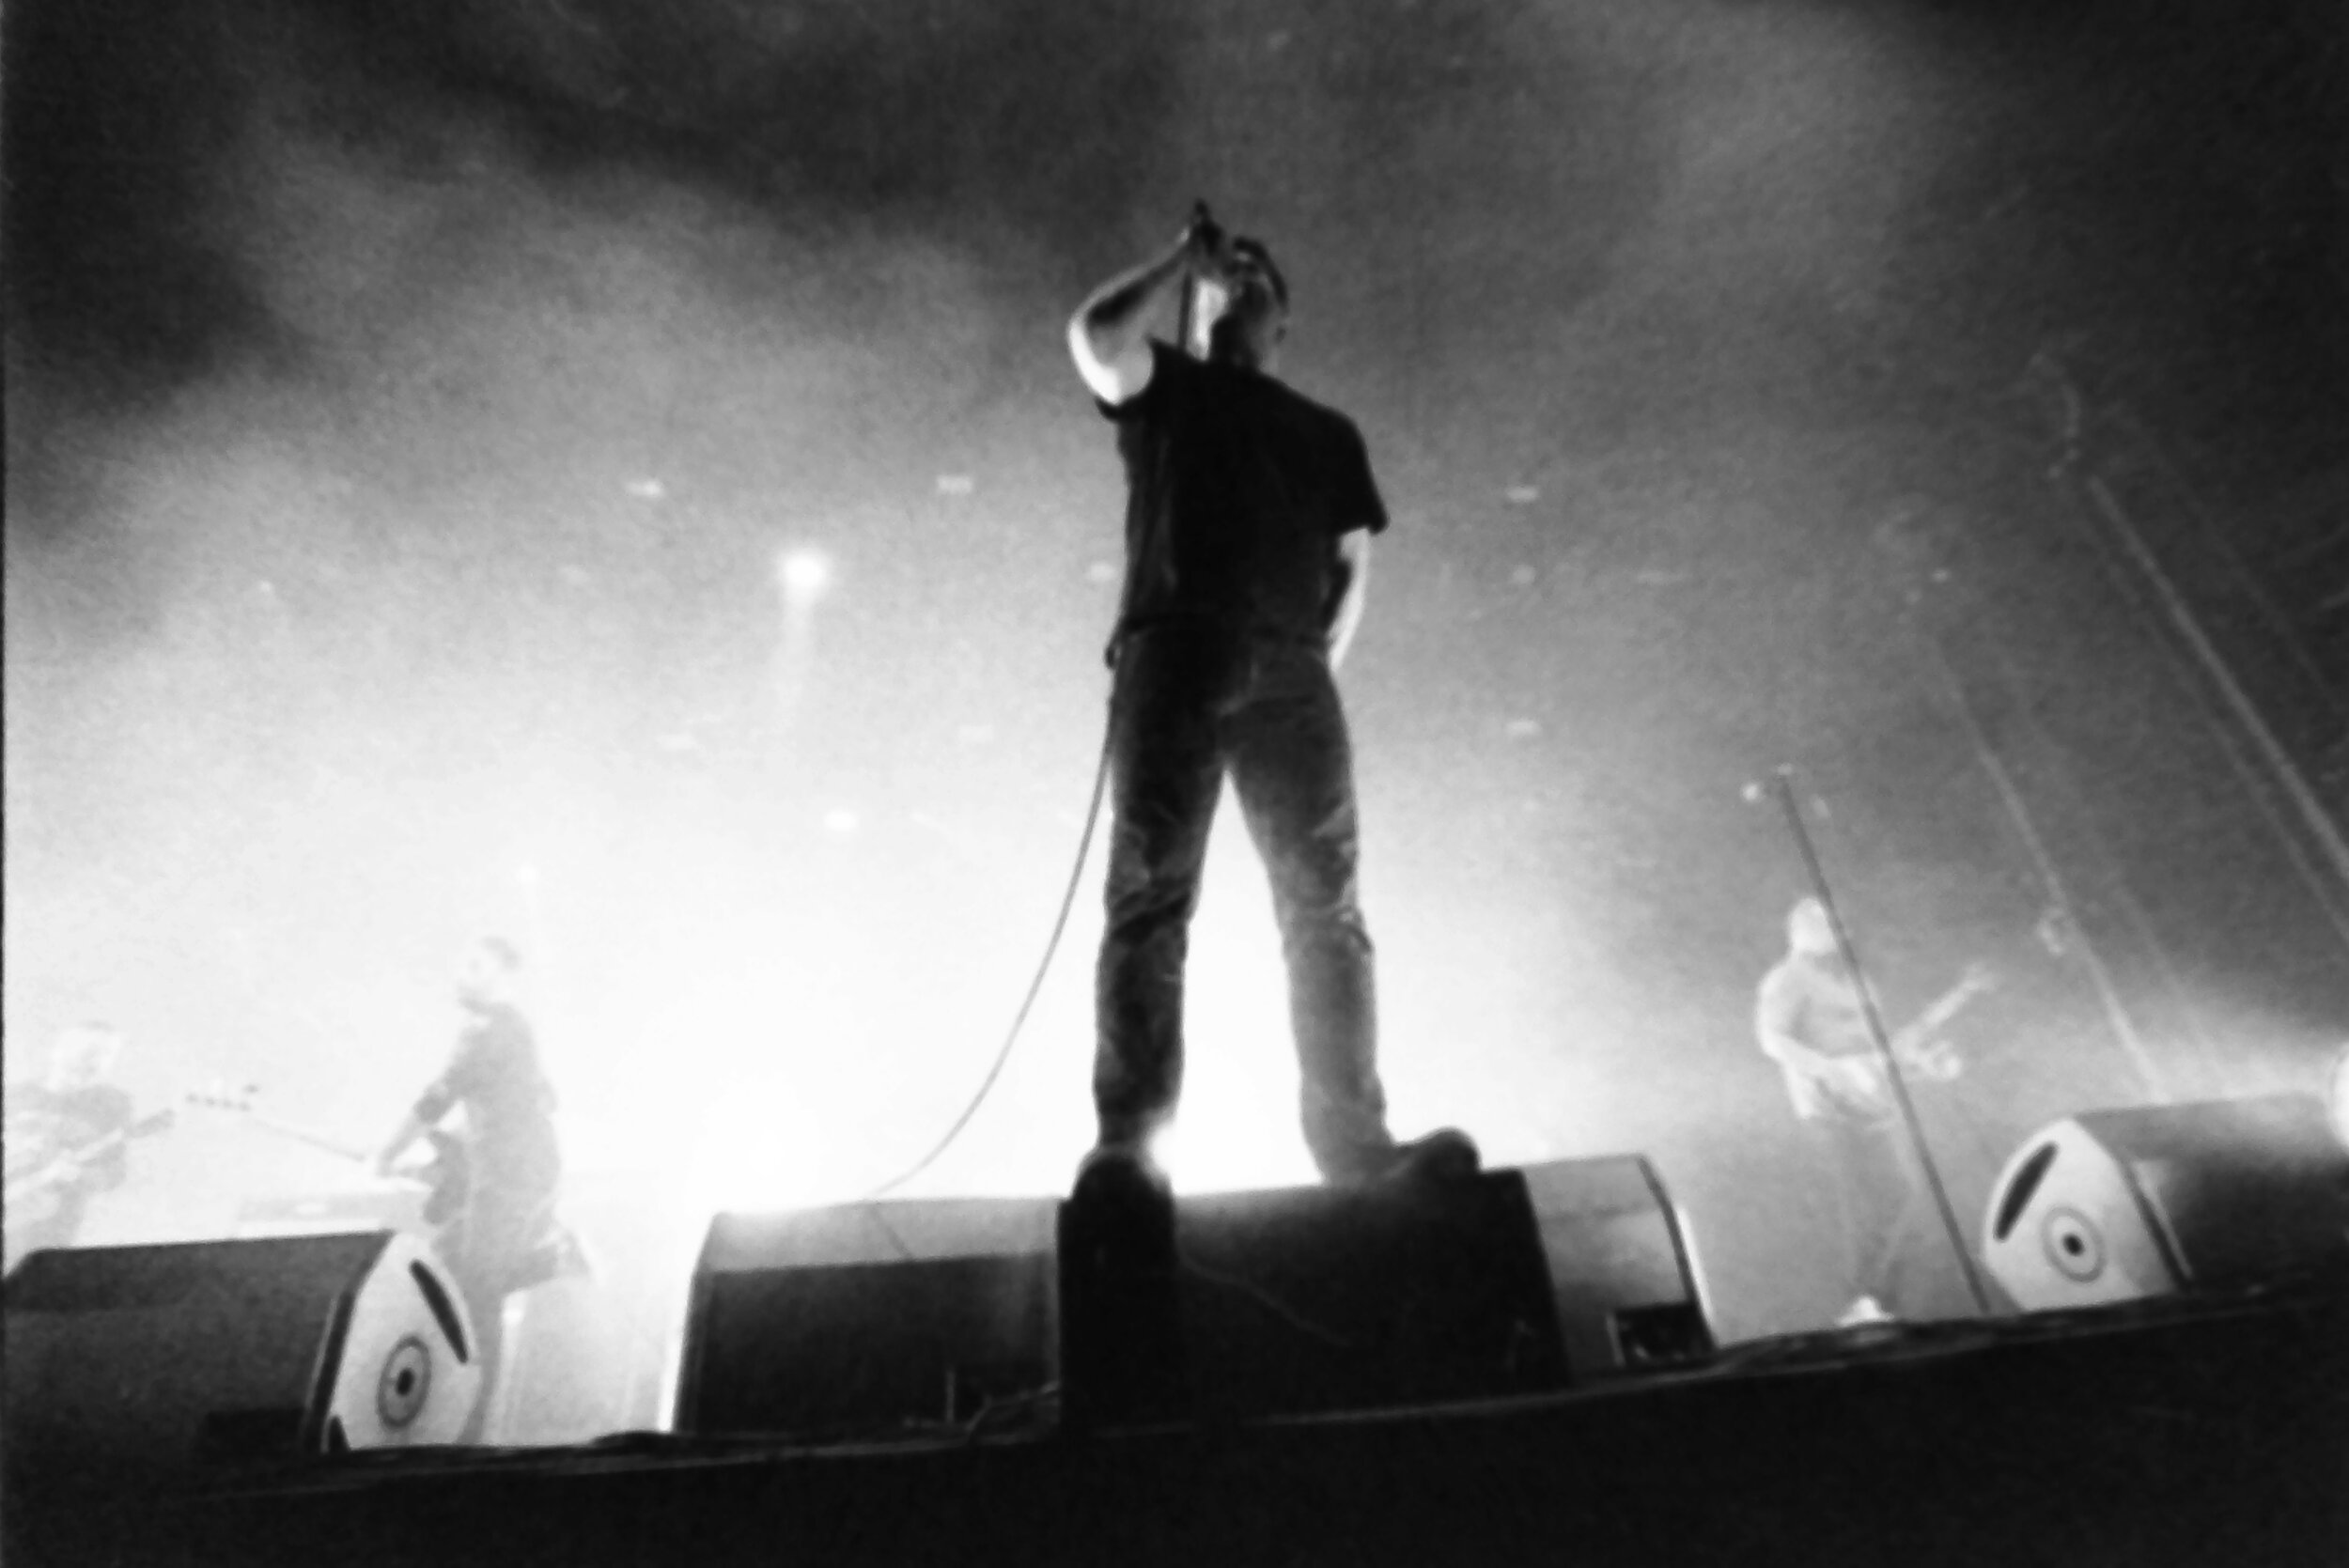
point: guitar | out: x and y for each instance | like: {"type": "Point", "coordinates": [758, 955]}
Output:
{"type": "Point", "coordinates": [1916, 1044]}
{"type": "Point", "coordinates": [443, 1173]}
{"type": "Point", "coordinates": [1862, 1089]}
{"type": "Point", "coordinates": [36, 1194]}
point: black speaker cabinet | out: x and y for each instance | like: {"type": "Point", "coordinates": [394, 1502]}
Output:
{"type": "Point", "coordinates": [2118, 1205]}
{"type": "Point", "coordinates": [1311, 1299]}
{"type": "Point", "coordinates": [166, 1356]}
{"type": "Point", "coordinates": [1323, 1298]}
{"type": "Point", "coordinates": [391, 1207]}
{"type": "Point", "coordinates": [1622, 1267]}
{"type": "Point", "coordinates": [868, 1319]}
{"type": "Point", "coordinates": [871, 1319]}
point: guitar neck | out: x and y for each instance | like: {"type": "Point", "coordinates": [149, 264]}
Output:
{"type": "Point", "coordinates": [243, 1108]}
{"type": "Point", "coordinates": [1937, 1012]}
{"type": "Point", "coordinates": [303, 1134]}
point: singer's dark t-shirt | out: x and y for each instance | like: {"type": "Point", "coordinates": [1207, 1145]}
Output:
{"type": "Point", "coordinates": [1237, 491]}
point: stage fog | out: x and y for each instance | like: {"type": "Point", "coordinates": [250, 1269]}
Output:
{"type": "Point", "coordinates": [611, 475]}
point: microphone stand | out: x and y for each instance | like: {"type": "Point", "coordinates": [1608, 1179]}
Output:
{"type": "Point", "coordinates": [1785, 780]}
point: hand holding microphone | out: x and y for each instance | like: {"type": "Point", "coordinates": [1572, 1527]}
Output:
{"type": "Point", "coordinates": [1204, 242]}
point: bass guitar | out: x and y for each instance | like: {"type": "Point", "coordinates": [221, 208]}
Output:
{"type": "Point", "coordinates": [1916, 1045]}
{"type": "Point", "coordinates": [442, 1172]}
{"type": "Point", "coordinates": [445, 1174]}
{"type": "Point", "coordinates": [36, 1194]}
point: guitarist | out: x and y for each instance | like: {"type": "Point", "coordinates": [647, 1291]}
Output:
{"type": "Point", "coordinates": [68, 1140]}
{"type": "Point", "coordinates": [1810, 1020]}
{"type": "Point", "coordinates": [502, 1219]}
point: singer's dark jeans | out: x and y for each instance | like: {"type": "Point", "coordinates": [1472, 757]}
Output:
{"type": "Point", "coordinates": [1190, 703]}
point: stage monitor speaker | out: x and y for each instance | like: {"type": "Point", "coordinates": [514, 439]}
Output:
{"type": "Point", "coordinates": [1318, 1299]}
{"type": "Point", "coordinates": [869, 1319]}
{"type": "Point", "coordinates": [389, 1209]}
{"type": "Point", "coordinates": [1312, 1300]}
{"type": "Point", "coordinates": [161, 1357]}
{"type": "Point", "coordinates": [1623, 1270]}
{"type": "Point", "coordinates": [2118, 1205]}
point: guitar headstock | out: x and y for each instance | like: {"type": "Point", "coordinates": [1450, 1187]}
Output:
{"type": "Point", "coordinates": [217, 1096]}
{"type": "Point", "coordinates": [1938, 1062]}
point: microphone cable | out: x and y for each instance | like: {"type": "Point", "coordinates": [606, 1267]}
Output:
{"type": "Point", "coordinates": [1200, 217]}
{"type": "Point", "coordinates": [1036, 985]}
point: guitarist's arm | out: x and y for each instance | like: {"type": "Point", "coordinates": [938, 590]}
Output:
{"type": "Point", "coordinates": [413, 1126]}
{"type": "Point", "coordinates": [102, 1172]}
{"type": "Point", "coordinates": [108, 1165]}
{"type": "Point", "coordinates": [439, 1099]}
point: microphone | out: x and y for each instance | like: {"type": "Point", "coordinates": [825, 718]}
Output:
{"type": "Point", "coordinates": [1204, 223]}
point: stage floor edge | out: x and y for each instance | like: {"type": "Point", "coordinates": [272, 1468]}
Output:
{"type": "Point", "coordinates": [2178, 1431]}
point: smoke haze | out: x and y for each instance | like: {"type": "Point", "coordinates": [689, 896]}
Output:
{"type": "Point", "coordinates": [408, 412]}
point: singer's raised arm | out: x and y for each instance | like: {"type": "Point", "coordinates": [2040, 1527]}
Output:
{"type": "Point", "coordinates": [1108, 335]}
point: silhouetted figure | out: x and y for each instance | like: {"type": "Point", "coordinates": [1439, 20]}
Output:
{"type": "Point", "coordinates": [496, 1183]}
{"type": "Point", "coordinates": [1247, 525]}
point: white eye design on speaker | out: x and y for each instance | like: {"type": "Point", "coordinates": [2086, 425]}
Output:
{"type": "Point", "coordinates": [406, 1383]}
{"type": "Point", "coordinates": [407, 1372]}
{"type": "Point", "coordinates": [2073, 1244]}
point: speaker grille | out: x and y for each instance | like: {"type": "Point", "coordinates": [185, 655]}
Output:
{"type": "Point", "coordinates": [867, 1348]}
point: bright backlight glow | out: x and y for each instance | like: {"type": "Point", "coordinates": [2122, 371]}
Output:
{"type": "Point", "coordinates": [804, 572]}
{"type": "Point", "coordinates": [2337, 1096]}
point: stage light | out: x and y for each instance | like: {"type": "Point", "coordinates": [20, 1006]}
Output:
{"type": "Point", "coordinates": [803, 573]}
{"type": "Point", "coordinates": [2337, 1096]}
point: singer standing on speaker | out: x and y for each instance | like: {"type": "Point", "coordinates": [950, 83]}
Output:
{"type": "Point", "coordinates": [1248, 520]}
{"type": "Point", "coordinates": [501, 1234]}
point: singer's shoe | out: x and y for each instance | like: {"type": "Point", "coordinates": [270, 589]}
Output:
{"type": "Point", "coordinates": [1121, 1316]}
{"type": "Point", "coordinates": [1119, 1220]}
{"type": "Point", "coordinates": [1121, 1180]}
{"type": "Point", "coordinates": [1865, 1312]}
{"type": "Point", "coordinates": [1445, 1155]}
